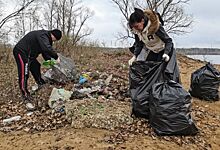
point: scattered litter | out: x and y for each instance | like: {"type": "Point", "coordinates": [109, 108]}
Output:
{"type": "Point", "coordinates": [108, 80]}
{"type": "Point", "coordinates": [84, 78]}
{"type": "Point", "coordinates": [30, 113]}
{"type": "Point", "coordinates": [9, 120]}
{"type": "Point", "coordinates": [58, 98]}
{"type": "Point", "coordinates": [93, 113]}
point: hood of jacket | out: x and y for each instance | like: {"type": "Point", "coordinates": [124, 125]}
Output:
{"type": "Point", "coordinates": [153, 21]}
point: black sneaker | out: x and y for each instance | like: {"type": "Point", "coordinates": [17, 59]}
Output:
{"type": "Point", "coordinates": [41, 82]}
{"type": "Point", "coordinates": [40, 86]}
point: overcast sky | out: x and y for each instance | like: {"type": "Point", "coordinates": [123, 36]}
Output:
{"type": "Point", "coordinates": [205, 33]}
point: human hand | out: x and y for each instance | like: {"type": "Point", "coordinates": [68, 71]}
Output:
{"type": "Point", "coordinates": [58, 60]}
{"type": "Point", "coordinates": [166, 57]}
{"type": "Point", "coordinates": [130, 62]}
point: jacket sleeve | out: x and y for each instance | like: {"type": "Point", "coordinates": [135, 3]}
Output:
{"type": "Point", "coordinates": [132, 48]}
{"type": "Point", "coordinates": [45, 56]}
{"type": "Point", "coordinates": [138, 46]}
{"type": "Point", "coordinates": [46, 48]}
{"type": "Point", "coordinates": [161, 33]}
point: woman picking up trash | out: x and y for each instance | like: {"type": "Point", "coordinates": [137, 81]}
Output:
{"type": "Point", "coordinates": [152, 43]}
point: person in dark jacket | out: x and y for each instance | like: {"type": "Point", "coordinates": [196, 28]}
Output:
{"type": "Point", "coordinates": [152, 43]}
{"type": "Point", "coordinates": [26, 52]}
{"type": "Point", "coordinates": [152, 46]}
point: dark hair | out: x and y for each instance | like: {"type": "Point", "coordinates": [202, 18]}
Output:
{"type": "Point", "coordinates": [136, 17]}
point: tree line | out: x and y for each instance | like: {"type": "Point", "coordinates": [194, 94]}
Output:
{"type": "Point", "coordinates": [71, 16]}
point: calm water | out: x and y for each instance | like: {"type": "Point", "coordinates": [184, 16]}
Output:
{"type": "Point", "coordinates": [214, 59]}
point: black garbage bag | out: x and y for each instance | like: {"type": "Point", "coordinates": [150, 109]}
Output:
{"type": "Point", "coordinates": [142, 75]}
{"type": "Point", "coordinates": [205, 83]}
{"type": "Point", "coordinates": [170, 108]}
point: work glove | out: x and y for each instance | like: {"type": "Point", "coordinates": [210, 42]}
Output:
{"type": "Point", "coordinates": [166, 57]}
{"type": "Point", "coordinates": [130, 62]}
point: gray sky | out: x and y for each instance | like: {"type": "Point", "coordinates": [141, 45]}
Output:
{"type": "Point", "coordinates": [106, 21]}
{"type": "Point", "coordinates": [205, 32]}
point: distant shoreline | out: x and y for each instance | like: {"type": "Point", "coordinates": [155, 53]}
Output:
{"type": "Point", "coordinates": [185, 51]}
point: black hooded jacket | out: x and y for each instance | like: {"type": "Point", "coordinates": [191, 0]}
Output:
{"type": "Point", "coordinates": [35, 43]}
{"type": "Point", "coordinates": [155, 30]}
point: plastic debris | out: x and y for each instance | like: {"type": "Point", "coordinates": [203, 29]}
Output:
{"type": "Point", "coordinates": [62, 72]}
{"type": "Point", "coordinates": [9, 120]}
{"type": "Point", "coordinates": [58, 98]}
{"type": "Point", "coordinates": [83, 78]}
{"type": "Point", "coordinates": [108, 80]}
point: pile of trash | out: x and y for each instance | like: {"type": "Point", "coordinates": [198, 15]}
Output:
{"type": "Point", "coordinates": [53, 101]}
{"type": "Point", "coordinates": [92, 102]}
{"type": "Point", "coordinates": [93, 86]}
{"type": "Point", "coordinates": [62, 72]}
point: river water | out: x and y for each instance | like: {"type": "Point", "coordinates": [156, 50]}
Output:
{"type": "Point", "coordinates": [214, 59]}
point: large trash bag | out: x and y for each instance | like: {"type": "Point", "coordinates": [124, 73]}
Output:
{"type": "Point", "coordinates": [172, 69]}
{"type": "Point", "coordinates": [142, 75]}
{"type": "Point", "coordinates": [205, 83]}
{"type": "Point", "coordinates": [170, 108]}
{"type": "Point", "coordinates": [62, 72]}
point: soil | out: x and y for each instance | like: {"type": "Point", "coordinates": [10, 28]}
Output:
{"type": "Point", "coordinates": [46, 130]}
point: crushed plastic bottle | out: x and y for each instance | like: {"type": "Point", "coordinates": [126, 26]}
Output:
{"type": "Point", "coordinates": [9, 120]}
{"type": "Point", "coordinates": [83, 78]}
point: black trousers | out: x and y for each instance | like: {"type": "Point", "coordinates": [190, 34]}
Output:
{"type": "Point", "coordinates": [24, 64]}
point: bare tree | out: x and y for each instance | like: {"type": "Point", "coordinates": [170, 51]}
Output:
{"type": "Point", "coordinates": [50, 12]}
{"type": "Point", "coordinates": [80, 30]}
{"type": "Point", "coordinates": [176, 21]}
{"type": "Point", "coordinates": [70, 16]}
{"type": "Point", "coordinates": [125, 7]}
{"type": "Point", "coordinates": [27, 20]}
{"type": "Point", "coordinates": [7, 19]}
{"type": "Point", "coordinates": [15, 13]}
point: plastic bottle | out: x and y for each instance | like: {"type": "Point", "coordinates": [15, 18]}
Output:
{"type": "Point", "coordinates": [82, 80]}
{"type": "Point", "coordinates": [9, 120]}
